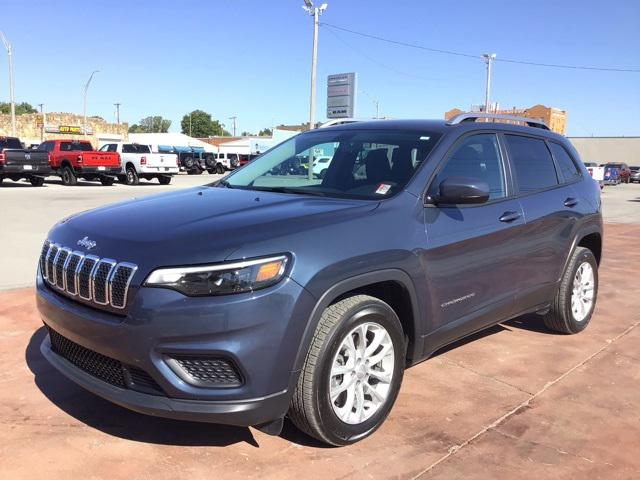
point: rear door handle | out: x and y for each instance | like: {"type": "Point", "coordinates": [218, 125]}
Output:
{"type": "Point", "coordinates": [570, 202]}
{"type": "Point", "coordinates": [509, 216]}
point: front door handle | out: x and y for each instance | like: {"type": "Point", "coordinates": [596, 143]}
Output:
{"type": "Point", "coordinates": [509, 216]}
{"type": "Point", "coordinates": [570, 202]}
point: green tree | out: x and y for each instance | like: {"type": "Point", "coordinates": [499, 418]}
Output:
{"type": "Point", "coordinates": [265, 132]}
{"type": "Point", "coordinates": [199, 124]}
{"type": "Point", "coordinates": [21, 108]}
{"type": "Point", "coordinates": [153, 124]}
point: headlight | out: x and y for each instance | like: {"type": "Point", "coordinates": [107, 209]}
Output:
{"type": "Point", "coordinates": [222, 279]}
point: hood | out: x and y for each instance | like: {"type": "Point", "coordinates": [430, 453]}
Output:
{"type": "Point", "coordinates": [199, 225]}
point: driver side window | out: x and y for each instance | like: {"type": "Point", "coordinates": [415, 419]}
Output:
{"type": "Point", "coordinates": [477, 156]}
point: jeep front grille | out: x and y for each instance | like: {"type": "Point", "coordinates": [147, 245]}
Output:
{"type": "Point", "coordinates": [102, 281]}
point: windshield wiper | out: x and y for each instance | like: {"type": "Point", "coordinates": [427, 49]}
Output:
{"type": "Point", "coordinates": [299, 190]}
{"type": "Point", "coordinates": [224, 183]}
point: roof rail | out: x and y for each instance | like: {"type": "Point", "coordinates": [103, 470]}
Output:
{"type": "Point", "coordinates": [472, 117]}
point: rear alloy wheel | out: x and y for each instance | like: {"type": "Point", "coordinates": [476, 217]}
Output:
{"type": "Point", "coordinates": [575, 301]}
{"type": "Point", "coordinates": [132, 176]}
{"type": "Point", "coordinates": [352, 372]}
{"type": "Point", "coordinates": [164, 179]}
{"type": "Point", "coordinates": [69, 176]}
{"type": "Point", "coordinates": [107, 181]}
{"type": "Point", "coordinates": [219, 169]}
{"type": "Point", "coordinates": [36, 181]}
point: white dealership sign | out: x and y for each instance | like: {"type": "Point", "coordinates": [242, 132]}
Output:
{"type": "Point", "coordinates": [341, 95]}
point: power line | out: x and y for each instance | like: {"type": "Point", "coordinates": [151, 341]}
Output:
{"type": "Point", "coordinates": [478, 57]}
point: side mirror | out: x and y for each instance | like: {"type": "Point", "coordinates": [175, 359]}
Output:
{"type": "Point", "coordinates": [462, 191]}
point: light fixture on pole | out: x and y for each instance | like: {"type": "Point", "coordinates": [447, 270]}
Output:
{"type": "Point", "coordinates": [315, 12]}
{"type": "Point", "coordinates": [12, 99]}
{"type": "Point", "coordinates": [84, 101]}
{"type": "Point", "coordinates": [488, 58]}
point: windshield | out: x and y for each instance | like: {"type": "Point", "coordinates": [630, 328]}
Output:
{"type": "Point", "coordinates": [10, 142]}
{"type": "Point", "coordinates": [367, 164]}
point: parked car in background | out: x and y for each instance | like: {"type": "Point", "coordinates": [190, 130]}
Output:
{"type": "Point", "coordinates": [624, 173]}
{"type": "Point", "coordinates": [304, 297]}
{"type": "Point", "coordinates": [17, 163]}
{"type": "Point", "coordinates": [635, 174]}
{"type": "Point", "coordinates": [611, 175]}
{"type": "Point", "coordinates": [230, 160]}
{"type": "Point", "coordinates": [320, 166]}
{"type": "Point", "coordinates": [138, 162]}
{"type": "Point", "coordinates": [596, 172]}
{"type": "Point", "coordinates": [73, 159]}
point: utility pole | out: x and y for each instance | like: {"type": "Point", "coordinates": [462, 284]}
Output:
{"type": "Point", "coordinates": [12, 99]}
{"type": "Point", "coordinates": [117, 112]}
{"type": "Point", "coordinates": [488, 58]}
{"type": "Point", "coordinates": [190, 124]}
{"type": "Point", "coordinates": [41, 105]}
{"type": "Point", "coordinates": [315, 12]}
{"type": "Point", "coordinates": [84, 101]}
{"type": "Point", "coordinates": [233, 125]}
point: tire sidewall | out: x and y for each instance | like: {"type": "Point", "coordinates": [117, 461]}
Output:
{"type": "Point", "coordinates": [584, 256]}
{"type": "Point", "coordinates": [342, 433]}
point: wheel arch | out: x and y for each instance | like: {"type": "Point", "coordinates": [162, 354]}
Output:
{"type": "Point", "coordinates": [130, 164]}
{"type": "Point", "coordinates": [392, 286]}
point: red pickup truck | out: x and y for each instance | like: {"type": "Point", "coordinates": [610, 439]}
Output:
{"type": "Point", "coordinates": [73, 159]}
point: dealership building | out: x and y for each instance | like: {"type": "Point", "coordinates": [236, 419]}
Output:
{"type": "Point", "coordinates": [33, 128]}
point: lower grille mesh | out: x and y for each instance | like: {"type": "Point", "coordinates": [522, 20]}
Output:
{"type": "Point", "coordinates": [209, 371]}
{"type": "Point", "coordinates": [95, 364]}
{"type": "Point", "coordinates": [102, 367]}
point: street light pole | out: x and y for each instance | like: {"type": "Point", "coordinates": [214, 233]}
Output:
{"type": "Point", "coordinates": [315, 12]}
{"type": "Point", "coordinates": [488, 58]}
{"type": "Point", "coordinates": [41, 105]}
{"type": "Point", "coordinates": [12, 99]}
{"type": "Point", "coordinates": [117, 112]}
{"type": "Point", "coordinates": [84, 101]}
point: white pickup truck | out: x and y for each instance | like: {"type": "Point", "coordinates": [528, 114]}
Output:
{"type": "Point", "coordinates": [138, 162]}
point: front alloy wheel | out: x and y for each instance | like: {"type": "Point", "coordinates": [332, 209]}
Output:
{"type": "Point", "coordinates": [352, 372]}
{"type": "Point", "coordinates": [361, 373]}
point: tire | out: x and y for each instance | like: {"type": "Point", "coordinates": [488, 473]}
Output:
{"type": "Point", "coordinates": [323, 173]}
{"type": "Point", "coordinates": [36, 181]}
{"type": "Point", "coordinates": [132, 176]}
{"type": "Point", "coordinates": [188, 163]}
{"type": "Point", "coordinates": [1, 179]}
{"type": "Point", "coordinates": [220, 169]}
{"type": "Point", "coordinates": [107, 181]}
{"type": "Point", "coordinates": [164, 179]}
{"type": "Point", "coordinates": [209, 161]}
{"type": "Point", "coordinates": [68, 176]}
{"type": "Point", "coordinates": [312, 409]}
{"type": "Point", "coordinates": [562, 317]}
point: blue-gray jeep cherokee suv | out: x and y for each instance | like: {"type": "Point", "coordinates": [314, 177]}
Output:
{"type": "Point", "coordinates": [307, 295]}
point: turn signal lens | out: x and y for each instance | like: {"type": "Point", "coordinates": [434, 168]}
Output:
{"type": "Point", "coordinates": [270, 270]}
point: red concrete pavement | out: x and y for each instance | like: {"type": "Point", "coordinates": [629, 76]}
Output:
{"type": "Point", "coordinates": [515, 401]}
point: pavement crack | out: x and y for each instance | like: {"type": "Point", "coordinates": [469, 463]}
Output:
{"type": "Point", "coordinates": [524, 404]}
{"type": "Point", "coordinates": [465, 367]}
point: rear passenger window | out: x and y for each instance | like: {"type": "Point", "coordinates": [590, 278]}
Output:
{"type": "Point", "coordinates": [532, 162]}
{"type": "Point", "coordinates": [568, 169]}
{"type": "Point", "coordinates": [478, 157]}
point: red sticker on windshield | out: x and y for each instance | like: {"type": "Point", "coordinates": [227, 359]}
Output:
{"type": "Point", "coordinates": [382, 189]}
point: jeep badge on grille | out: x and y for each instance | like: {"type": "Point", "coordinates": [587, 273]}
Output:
{"type": "Point", "coordinates": [86, 243]}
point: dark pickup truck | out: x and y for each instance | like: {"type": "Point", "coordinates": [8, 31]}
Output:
{"type": "Point", "coordinates": [17, 163]}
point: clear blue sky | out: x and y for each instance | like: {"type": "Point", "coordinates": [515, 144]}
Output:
{"type": "Point", "coordinates": [252, 58]}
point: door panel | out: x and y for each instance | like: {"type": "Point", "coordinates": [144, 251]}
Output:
{"type": "Point", "coordinates": [472, 250]}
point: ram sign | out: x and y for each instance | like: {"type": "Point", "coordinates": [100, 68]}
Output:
{"type": "Point", "coordinates": [341, 95]}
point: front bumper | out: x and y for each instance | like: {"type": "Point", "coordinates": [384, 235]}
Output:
{"type": "Point", "coordinates": [260, 333]}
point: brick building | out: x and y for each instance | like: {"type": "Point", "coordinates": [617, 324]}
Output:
{"type": "Point", "coordinates": [30, 128]}
{"type": "Point", "coordinates": [554, 117]}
